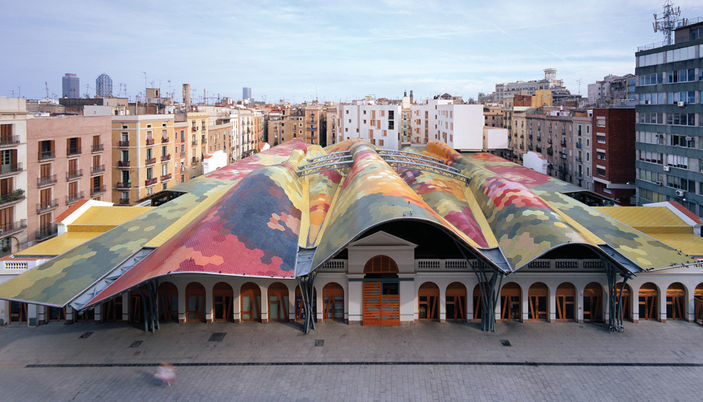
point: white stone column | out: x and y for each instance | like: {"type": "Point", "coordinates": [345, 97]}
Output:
{"type": "Point", "coordinates": [208, 302]}
{"type": "Point", "coordinates": [690, 306]}
{"type": "Point", "coordinates": [525, 304]}
{"type": "Point", "coordinates": [31, 315]}
{"type": "Point", "coordinates": [552, 303]}
{"type": "Point", "coordinates": [4, 311]}
{"type": "Point", "coordinates": [661, 304]}
{"type": "Point", "coordinates": [236, 302]}
{"type": "Point", "coordinates": [264, 303]}
{"type": "Point", "coordinates": [634, 304]}
{"type": "Point", "coordinates": [291, 303]}
{"type": "Point", "coordinates": [320, 303]}
{"type": "Point", "coordinates": [181, 303]}
{"type": "Point", "coordinates": [42, 315]}
{"type": "Point", "coordinates": [125, 306]}
{"type": "Point", "coordinates": [579, 304]}
{"type": "Point", "coordinates": [97, 312]}
{"type": "Point", "coordinates": [469, 302]}
{"type": "Point", "coordinates": [70, 313]}
{"type": "Point", "coordinates": [408, 300]}
{"type": "Point", "coordinates": [442, 303]}
{"type": "Point", "coordinates": [354, 301]}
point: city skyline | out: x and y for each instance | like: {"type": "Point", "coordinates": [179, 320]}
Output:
{"type": "Point", "coordinates": [324, 51]}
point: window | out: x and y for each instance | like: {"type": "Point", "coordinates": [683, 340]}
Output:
{"type": "Point", "coordinates": [600, 155]}
{"type": "Point", "coordinates": [149, 173]}
{"type": "Point", "coordinates": [600, 121]}
{"type": "Point", "coordinates": [125, 176]}
{"type": "Point", "coordinates": [391, 115]}
{"type": "Point", "coordinates": [600, 138]}
{"type": "Point", "coordinates": [680, 183]}
{"type": "Point", "coordinates": [682, 141]}
{"type": "Point", "coordinates": [600, 171]}
{"type": "Point", "coordinates": [124, 137]}
{"type": "Point", "coordinates": [149, 153]}
{"type": "Point", "coordinates": [391, 126]}
{"type": "Point", "coordinates": [164, 151]}
{"type": "Point", "coordinates": [125, 156]}
{"type": "Point", "coordinates": [651, 157]}
{"type": "Point", "coordinates": [678, 161]}
{"type": "Point", "coordinates": [164, 169]}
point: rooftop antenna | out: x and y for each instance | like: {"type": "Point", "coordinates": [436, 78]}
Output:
{"type": "Point", "coordinates": [46, 89]}
{"type": "Point", "coordinates": [669, 20]}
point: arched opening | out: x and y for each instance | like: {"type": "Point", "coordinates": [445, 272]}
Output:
{"type": "Point", "coordinates": [112, 309]}
{"type": "Point", "coordinates": [698, 304]}
{"type": "Point", "coordinates": [566, 302]}
{"type": "Point", "coordinates": [538, 297]}
{"type": "Point", "coordinates": [626, 301]}
{"type": "Point", "coordinates": [58, 314]}
{"type": "Point", "coordinates": [381, 292]}
{"type": "Point", "coordinates": [299, 310]}
{"type": "Point", "coordinates": [456, 301]}
{"type": "Point", "coordinates": [18, 312]}
{"type": "Point", "coordinates": [676, 302]}
{"type": "Point", "coordinates": [168, 302]}
{"type": "Point", "coordinates": [648, 301]}
{"type": "Point", "coordinates": [251, 302]}
{"type": "Point", "coordinates": [84, 315]}
{"type": "Point", "coordinates": [333, 299]}
{"type": "Point", "coordinates": [195, 302]}
{"type": "Point", "coordinates": [136, 310]}
{"type": "Point", "coordinates": [593, 302]}
{"type": "Point", "coordinates": [428, 301]}
{"type": "Point", "coordinates": [278, 302]}
{"type": "Point", "coordinates": [478, 303]}
{"type": "Point", "coordinates": [222, 302]}
{"type": "Point", "coordinates": [510, 306]}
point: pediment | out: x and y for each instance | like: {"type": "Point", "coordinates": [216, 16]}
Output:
{"type": "Point", "coordinates": [384, 239]}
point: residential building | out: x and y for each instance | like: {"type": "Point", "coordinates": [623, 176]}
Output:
{"type": "Point", "coordinates": [103, 86]}
{"type": "Point", "coordinates": [312, 124]}
{"type": "Point", "coordinates": [13, 176]}
{"type": "Point", "coordinates": [330, 119]}
{"type": "Point", "coordinates": [549, 132]}
{"type": "Point", "coordinates": [70, 86]}
{"type": "Point", "coordinates": [72, 162]}
{"type": "Point", "coordinates": [549, 82]}
{"type": "Point", "coordinates": [670, 120]}
{"type": "Point", "coordinates": [583, 128]}
{"type": "Point", "coordinates": [493, 115]}
{"type": "Point", "coordinates": [371, 122]}
{"type": "Point", "coordinates": [613, 144]}
{"type": "Point", "coordinates": [181, 146]}
{"type": "Point", "coordinates": [613, 90]}
{"type": "Point", "coordinates": [141, 154]}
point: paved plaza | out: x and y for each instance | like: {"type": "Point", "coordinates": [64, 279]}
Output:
{"type": "Point", "coordinates": [419, 361]}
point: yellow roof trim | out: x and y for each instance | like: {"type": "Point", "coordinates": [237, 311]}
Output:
{"type": "Point", "coordinates": [58, 245]}
{"type": "Point", "coordinates": [480, 219]}
{"type": "Point", "coordinates": [587, 234]}
{"type": "Point", "coordinates": [305, 216]}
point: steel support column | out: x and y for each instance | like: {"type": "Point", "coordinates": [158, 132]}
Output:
{"type": "Point", "coordinates": [489, 291]}
{"type": "Point", "coordinates": [615, 307]}
{"type": "Point", "coordinates": [307, 292]}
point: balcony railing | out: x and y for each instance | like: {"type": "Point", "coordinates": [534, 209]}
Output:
{"type": "Point", "coordinates": [123, 201]}
{"type": "Point", "coordinates": [97, 169]}
{"type": "Point", "coordinates": [149, 141]}
{"type": "Point", "coordinates": [121, 184]}
{"type": "Point", "coordinates": [47, 231]}
{"type": "Point", "coordinates": [47, 206]}
{"type": "Point", "coordinates": [164, 139]}
{"type": "Point", "coordinates": [194, 142]}
{"type": "Point", "coordinates": [123, 143]}
{"type": "Point", "coordinates": [150, 182]}
{"type": "Point", "coordinates": [97, 148]}
{"type": "Point", "coordinates": [150, 161]}
{"type": "Point", "coordinates": [74, 174]}
{"type": "Point", "coordinates": [10, 168]}
{"type": "Point", "coordinates": [46, 180]}
{"type": "Point", "coordinates": [166, 158]}
{"type": "Point", "coordinates": [12, 196]}
{"type": "Point", "coordinates": [71, 198]}
{"type": "Point", "coordinates": [166, 177]}
{"type": "Point", "coordinates": [46, 155]}
{"type": "Point", "coordinates": [12, 227]}
{"type": "Point", "coordinates": [73, 151]}
{"type": "Point", "coordinates": [194, 160]}
{"type": "Point", "coordinates": [97, 190]}
{"type": "Point", "coordinates": [123, 163]}
{"type": "Point", "coordinates": [203, 139]}
{"type": "Point", "coordinates": [9, 140]}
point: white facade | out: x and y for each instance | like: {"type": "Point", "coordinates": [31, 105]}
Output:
{"type": "Point", "coordinates": [535, 161]}
{"type": "Point", "coordinates": [377, 124]}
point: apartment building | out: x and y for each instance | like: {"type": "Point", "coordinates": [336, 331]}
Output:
{"type": "Point", "coordinates": [72, 163]}
{"type": "Point", "coordinates": [669, 126]}
{"type": "Point", "coordinates": [312, 117]}
{"type": "Point", "coordinates": [583, 129]}
{"type": "Point", "coordinates": [374, 123]}
{"type": "Point", "coordinates": [141, 154]}
{"type": "Point", "coordinates": [460, 126]}
{"type": "Point", "coordinates": [247, 126]}
{"type": "Point", "coordinates": [549, 132]}
{"type": "Point", "coordinates": [181, 146]}
{"type": "Point", "coordinates": [613, 143]}
{"type": "Point", "coordinates": [493, 115]}
{"type": "Point", "coordinates": [330, 119]}
{"type": "Point", "coordinates": [13, 177]}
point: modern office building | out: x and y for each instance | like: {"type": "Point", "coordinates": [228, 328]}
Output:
{"type": "Point", "coordinates": [670, 120]}
{"type": "Point", "coordinates": [70, 86]}
{"type": "Point", "coordinates": [103, 86]}
{"type": "Point", "coordinates": [246, 93]}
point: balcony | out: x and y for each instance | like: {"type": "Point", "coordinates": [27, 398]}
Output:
{"type": "Point", "coordinates": [73, 151]}
{"type": "Point", "coordinates": [7, 229]}
{"type": "Point", "coordinates": [203, 140]}
{"type": "Point", "coordinates": [123, 143]}
{"type": "Point", "coordinates": [11, 168]}
{"type": "Point", "coordinates": [46, 231]}
{"type": "Point", "coordinates": [123, 201]}
{"type": "Point", "coordinates": [97, 148]}
{"type": "Point", "coordinates": [194, 160]}
{"type": "Point", "coordinates": [194, 128]}
{"type": "Point", "coordinates": [43, 155]}
{"type": "Point", "coordinates": [150, 182]}
{"type": "Point", "coordinates": [123, 185]}
{"type": "Point", "coordinates": [97, 190]}
{"type": "Point", "coordinates": [149, 141]}
{"type": "Point", "coordinates": [166, 158]}
{"type": "Point", "coordinates": [194, 142]}
{"type": "Point", "coordinates": [578, 145]}
{"type": "Point", "coordinates": [72, 198]}
{"type": "Point", "coordinates": [563, 142]}
{"type": "Point", "coordinates": [164, 140]}
{"type": "Point", "coordinates": [47, 206]}
{"type": "Point", "coordinates": [46, 180]}
{"type": "Point", "coordinates": [12, 196]}
{"type": "Point", "coordinates": [9, 140]}
{"type": "Point", "coordinates": [97, 169]}
{"type": "Point", "coordinates": [150, 161]}
{"type": "Point", "coordinates": [166, 177]}
{"type": "Point", "coordinates": [74, 174]}
{"type": "Point", "coordinates": [562, 154]}
{"type": "Point", "coordinates": [123, 163]}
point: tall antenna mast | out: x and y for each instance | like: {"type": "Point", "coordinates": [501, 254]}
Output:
{"type": "Point", "coordinates": [668, 21]}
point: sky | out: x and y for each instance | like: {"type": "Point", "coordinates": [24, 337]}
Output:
{"type": "Point", "coordinates": [328, 50]}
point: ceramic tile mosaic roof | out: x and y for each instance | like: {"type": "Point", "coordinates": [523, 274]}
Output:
{"type": "Point", "coordinates": [255, 218]}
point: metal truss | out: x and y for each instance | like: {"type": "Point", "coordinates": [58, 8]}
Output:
{"type": "Point", "coordinates": [335, 160]}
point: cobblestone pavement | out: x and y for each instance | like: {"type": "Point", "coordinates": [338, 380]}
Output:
{"type": "Point", "coordinates": [422, 361]}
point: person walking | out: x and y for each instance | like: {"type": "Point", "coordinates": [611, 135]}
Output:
{"type": "Point", "coordinates": [166, 374]}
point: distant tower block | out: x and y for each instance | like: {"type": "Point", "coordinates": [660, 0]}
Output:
{"type": "Point", "coordinates": [550, 74]}
{"type": "Point", "coordinates": [186, 95]}
{"type": "Point", "coordinates": [103, 85]}
{"type": "Point", "coordinates": [246, 93]}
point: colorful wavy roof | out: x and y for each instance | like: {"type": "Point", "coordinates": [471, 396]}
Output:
{"type": "Point", "coordinates": [257, 217]}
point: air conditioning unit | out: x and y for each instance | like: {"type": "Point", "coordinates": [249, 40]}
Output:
{"type": "Point", "coordinates": [681, 103]}
{"type": "Point", "coordinates": [666, 168]}
{"type": "Point", "coordinates": [689, 138]}
{"type": "Point", "coordinates": [658, 183]}
{"type": "Point", "coordinates": [680, 193]}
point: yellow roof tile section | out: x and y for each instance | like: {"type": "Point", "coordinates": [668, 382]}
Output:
{"type": "Point", "coordinates": [58, 245]}
{"type": "Point", "coordinates": [112, 216]}
{"type": "Point", "coordinates": [643, 218]}
{"type": "Point", "coordinates": [689, 243]}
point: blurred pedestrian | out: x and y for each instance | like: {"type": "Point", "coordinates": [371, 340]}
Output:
{"type": "Point", "coordinates": [166, 374]}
